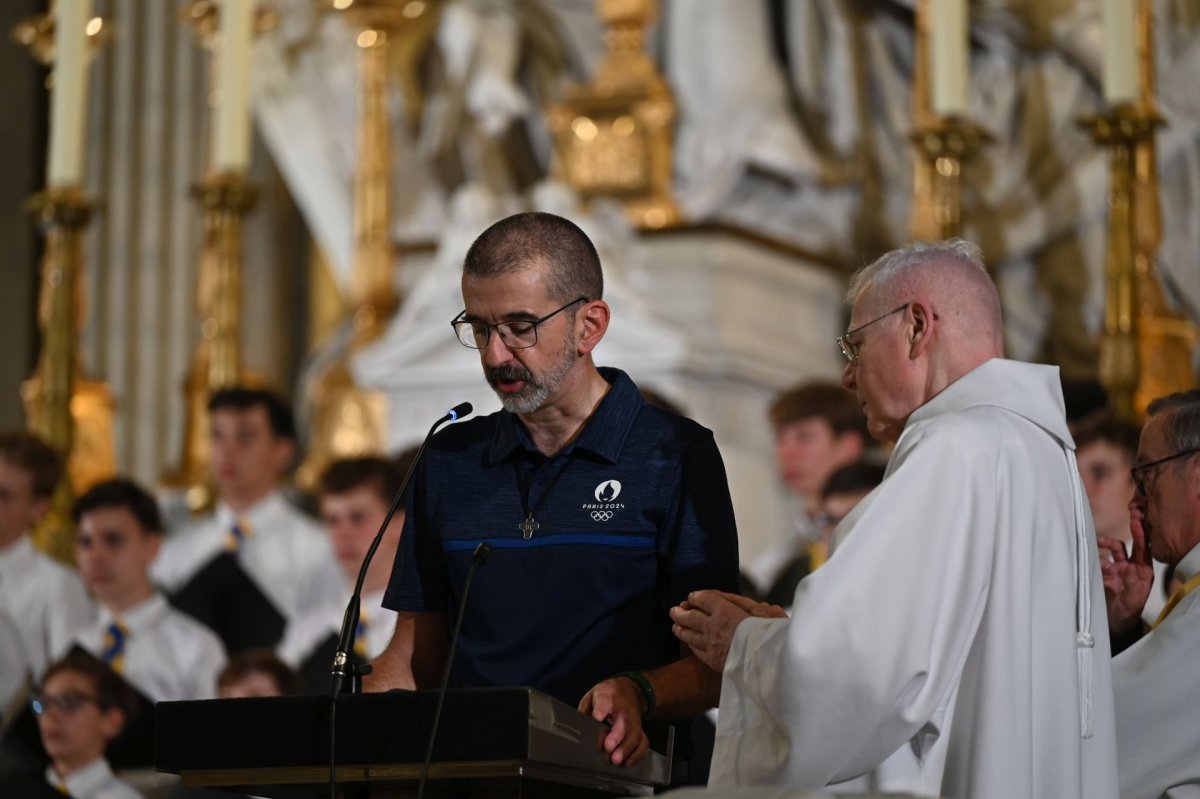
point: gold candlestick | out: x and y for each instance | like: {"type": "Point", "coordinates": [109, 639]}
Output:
{"type": "Point", "coordinates": [50, 394]}
{"type": "Point", "coordinates": [1165, 338]}
{"type": "Point", "coordinates": [348, 420]}
{"type": "Point", "coordinates": [72, 413]}
{"type": "Point", "coordinates": [946, 144]}
{"type": "Point", "coordinates": [224, 199]}
{"type": "Point", "coordinates": [1121, 129]}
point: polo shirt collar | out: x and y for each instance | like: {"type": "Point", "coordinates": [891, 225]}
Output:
{"type": "Point", "coordinates": [603, 434]}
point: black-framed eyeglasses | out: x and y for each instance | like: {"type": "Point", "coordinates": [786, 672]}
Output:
{"type": "Point", "coordinates": [1139, 472]}
{"type": "Point", "coordinates": [67, 704]}
{"type": "Point", "coordinates": [849, 348]}
{"type": "Point", "coordinates": [517, 335]}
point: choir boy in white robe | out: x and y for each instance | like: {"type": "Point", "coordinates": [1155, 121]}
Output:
{"type": "Point", "coordinates": [1157, 680]}
{"type": "Point", "coordinates": [162, 652]}
{"type": "Point", "coordinates": [354, 497]}
{"type": "Point", "coordinates": [45, 599]}
{"type": "Point", "coordinates": [948, 648]}
{"type": "Point", "coordinates": [252, 437]}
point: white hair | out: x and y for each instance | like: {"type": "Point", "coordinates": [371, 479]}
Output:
{"type": "Point", "coordinates": [900, 261]}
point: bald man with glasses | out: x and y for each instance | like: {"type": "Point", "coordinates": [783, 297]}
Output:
{"type": "Point", "coordinates": [1156, 675]}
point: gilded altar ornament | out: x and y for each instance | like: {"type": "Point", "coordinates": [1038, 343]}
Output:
{"type": "Point", "coordinates": [347, 420]}
{"type": "Point", "coordinates": [612, 136]}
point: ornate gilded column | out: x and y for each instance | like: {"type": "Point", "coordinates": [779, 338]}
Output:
{"type": "Point", "coordinates": [347, 420]}
{"type": "Point", "coordinates": [62, 406]}
{"type": "Point", "coordinates": [612, 136]}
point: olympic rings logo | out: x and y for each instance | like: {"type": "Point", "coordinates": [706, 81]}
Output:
{"type": "Point", "coordinates": [601, 515]}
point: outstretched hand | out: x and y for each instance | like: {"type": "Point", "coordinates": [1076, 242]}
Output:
{"type": "Point", "coordinates": [707, 620]}
{"type": "Point", "coordinates": [1127, 579]}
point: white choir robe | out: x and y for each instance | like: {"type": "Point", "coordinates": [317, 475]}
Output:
{"type": "Point", "coordinates": [308, 631]}
{"type": "Point", "coordinates": [45, 599]}
{"type": "Point", "coordinates": [1157, 683]}
{"type": "Point", "coordinates": [287, 554]}
{"type": "Point", "coordinates": [168, 655]}
{"type": "Point", "coordinates": [936, 652]}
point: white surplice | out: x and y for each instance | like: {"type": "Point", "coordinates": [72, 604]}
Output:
{"type": "Point", "coordinates": [949, 648]}
{"type": "Point", "coordinates": [1156, 683]}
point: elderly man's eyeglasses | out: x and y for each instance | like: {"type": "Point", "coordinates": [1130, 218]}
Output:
{"type": "Point", "coordinates": [67, 704]}
{"type": "Point", "coordinates": [849, 348]}
{"type": "Point", "coordinates": [1140, 472]}
{"type": "Point", "coordinates": [517, 335]}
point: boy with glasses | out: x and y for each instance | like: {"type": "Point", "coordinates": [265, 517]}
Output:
{"type": "Point", "coordinates": [81, 707]}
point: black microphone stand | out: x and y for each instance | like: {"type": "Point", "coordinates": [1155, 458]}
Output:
{"type": "Point", "coordinates": [345, 672]}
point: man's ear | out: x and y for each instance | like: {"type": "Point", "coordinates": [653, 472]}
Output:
{"type": "Point", "coordinates": [920, 331]}
{"type": "Point", "coordinates": [592, 321]}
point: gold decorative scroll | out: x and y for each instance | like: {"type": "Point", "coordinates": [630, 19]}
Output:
{"type": "Point", "coordinates": [613, 136]}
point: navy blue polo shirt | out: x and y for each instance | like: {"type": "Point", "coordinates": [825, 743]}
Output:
{"type": "Point", "coordinates": [632, 515]}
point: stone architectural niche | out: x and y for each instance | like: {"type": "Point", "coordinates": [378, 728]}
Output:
{"type": "Point", "coordinates": [709, 318]}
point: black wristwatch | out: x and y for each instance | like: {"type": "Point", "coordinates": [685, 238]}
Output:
{"type": "Point", "coordinates": [643, 683]}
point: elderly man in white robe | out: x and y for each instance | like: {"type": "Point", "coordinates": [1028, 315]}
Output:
{"type": "Point", "coordinates": [1157, 679]}
{"type": "Point", "coordinates": [948, 648]}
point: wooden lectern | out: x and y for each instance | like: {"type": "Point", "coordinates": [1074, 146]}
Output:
{"type": "Point", "coordinates": [492, 742]}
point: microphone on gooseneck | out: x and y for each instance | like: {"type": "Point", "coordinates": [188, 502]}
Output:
{"type": "Point", "coordinates": [343, 670]}
{"type": "Point", "coordinates": [341, 659]}
{"type": "Point", "coordinates": [478, 558]}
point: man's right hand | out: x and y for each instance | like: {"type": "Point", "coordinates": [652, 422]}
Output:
{"type": "Point", "coordinates": [1127, 579]}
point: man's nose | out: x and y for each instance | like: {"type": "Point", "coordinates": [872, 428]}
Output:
{"type": "Point", "coordinates": [496, 352]}
{"type": "Point", "coordinates": [848, 380]}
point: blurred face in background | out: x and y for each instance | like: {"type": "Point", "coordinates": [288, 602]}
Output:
{"type": "Point", "coordinates": [1104, 468]}
{"type": "Point", "coordinates": [352, 519]}
{"type": "Point", "coordinates": [19, 509]}
{"type": "Point", "coordinates": [248, 459]}
{"type": "Point", "coordinates": [75, 729]}
{"type": "Point", "coordinates": [807, 451]}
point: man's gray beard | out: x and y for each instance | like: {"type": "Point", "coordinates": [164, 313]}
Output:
{"type": "Point", "coordinates": [536, 391]}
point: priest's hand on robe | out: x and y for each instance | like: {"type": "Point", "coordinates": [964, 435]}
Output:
{"type": "Point", "coordinates": [707, 620]}
{"type": "Point", "coordinates": [1127, 579]}
{"type": "Point", "coordinates": [618, 701]}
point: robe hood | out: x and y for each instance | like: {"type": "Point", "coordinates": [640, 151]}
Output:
{"type": "Point", "coordinates": [1033, 391]}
